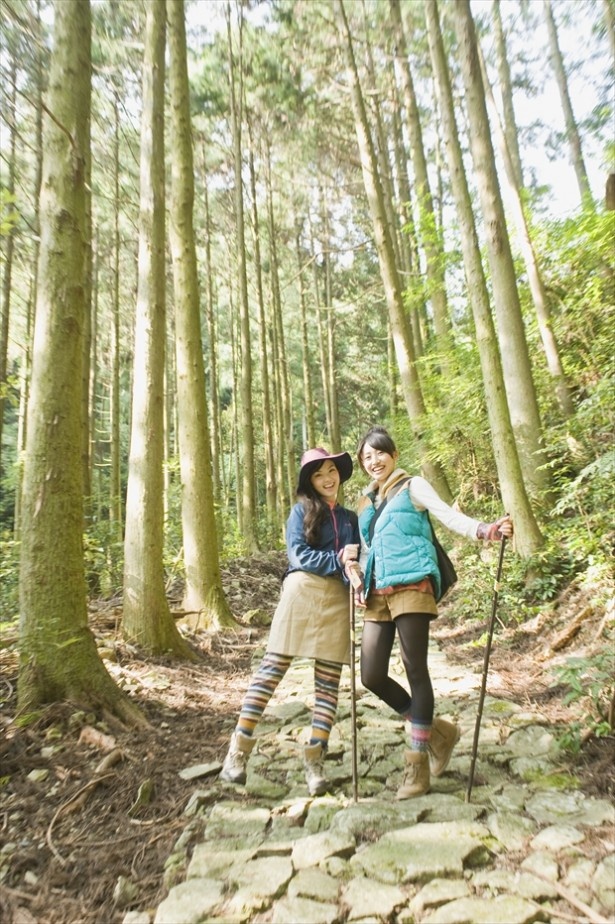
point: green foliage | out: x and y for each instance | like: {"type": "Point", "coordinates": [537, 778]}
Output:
{"type": "Point", "coordinates": [591, 685]}
{"type": "Point", "coordinates": [104, 559]}
{"type": "Point", "coordinates": [9, 578]}
{"type": "Point", "coordinates": [9, 214]}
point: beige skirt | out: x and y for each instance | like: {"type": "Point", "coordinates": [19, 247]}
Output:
{"type": "Point", "coordinates": [312, 618]}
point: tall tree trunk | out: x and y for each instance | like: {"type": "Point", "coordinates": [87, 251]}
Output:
{"type": "Point", "coordinates": [147, 620]}
{"type": "Point", "coordinates": [527, 534]}
{"type": "Point", "coordinates": [270, 479]}
{"type": "Point", "coordinates": [8, 254]}
{"type": "Point", "coordinates": [58, 655]}
{"type": "Point", "coordinates": [329, 328]}
{"type": "Point", "coordinates": [430, 233]}
{"type": "Point", "coordinates": [510, 122]}
{"type": "Point", "coordinates": [93, 386]}
{"type": "Point", "coordinates": [392, 376]}
{"type": "Point", "coordinates": [537, 287]}
{"type": "Point", "coordinates": [322, 342]}
{"type": "Point", "coordinates": [572, 132]}
{"type": "Point", "coordinates": [520, 387]}
{"type": "Point", "coordinates": [248, 487]}
{"type": "Point", "coordinates": [308, 397]}
{"type": "Point", "coordinates": [235, 459]}
{"type": "Point", "coordinates": [115, 483]}
{"type": "Point", "coordinates": [25, 372]}
{"type": "Point", "coordinates": [399, 323]}
{"type": "Point", "coordinates": [203, 590]}
{"type": "Point", "coordinates": [212, 352]}
{"type": "Point", "coordinates": [380, 136]}
{"type": "Point", "coordinates": [285, 436]}
{"type": "Point", "coordinates": [87, 335]}
{"type": "Point", "coordinates": [24, 397]}
{"type": "Point", "coordinates": [408, 247]}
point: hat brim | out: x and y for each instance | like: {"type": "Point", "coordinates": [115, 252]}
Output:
{"type": "Point", "coordinates": [341, 460]}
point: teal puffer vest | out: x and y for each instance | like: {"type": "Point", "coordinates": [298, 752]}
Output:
{"type": "Point", "coordinates": [401, 550]}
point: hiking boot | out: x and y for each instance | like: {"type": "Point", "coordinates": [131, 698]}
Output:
{"type": "Point", "coordinates": [444, 737]}
{"type": "Point", "coordinates": [314, 758]}
{"type": "Point", "coordinates": [416, 780]}
{"type": "Point", "coordinates": [234, 766]}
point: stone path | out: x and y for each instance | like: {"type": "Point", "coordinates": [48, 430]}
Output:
{"type": "Point", "coordinates": [517, 851]}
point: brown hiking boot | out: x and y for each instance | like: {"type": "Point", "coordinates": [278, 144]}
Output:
{"type": "Point", "coordinates": [416, 780]}
{"type": "Point", "coordinates": [234, 766]}
{"type": "Point", "coordinates": [314, 758]}
{"type": "Point", "coordinates": [444, 737]}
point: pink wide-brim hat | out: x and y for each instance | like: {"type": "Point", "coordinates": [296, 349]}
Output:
{"type": "Point", "coordinates": [313, 459]}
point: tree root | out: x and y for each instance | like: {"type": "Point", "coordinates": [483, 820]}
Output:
{"type": "Point", "coordinates": [568, 896]}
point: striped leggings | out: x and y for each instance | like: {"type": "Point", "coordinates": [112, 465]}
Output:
{"type": "Point", "coordinates": [272, 669]}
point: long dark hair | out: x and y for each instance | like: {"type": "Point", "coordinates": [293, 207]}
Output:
{"type": "Point", "coordinates": [378, 438]}
{"type": "Point", "coordinates": [315, 509]}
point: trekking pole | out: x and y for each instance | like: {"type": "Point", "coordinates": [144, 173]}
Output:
{"type": "Point", "coordinates": [355, 582]}
{"type": "Point", "coordinates": [483, 687]}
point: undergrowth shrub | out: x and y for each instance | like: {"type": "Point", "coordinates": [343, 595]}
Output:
{"type": "Point", "coordinates": [591, 685]}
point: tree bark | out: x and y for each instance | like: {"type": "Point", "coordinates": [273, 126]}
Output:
{"type": "Point", "coordinates": [413, 290]}
{"type": "Point", "coordinates": [115, 482]}
{"type": "Point", "coordinates": [270, 479]}
{"type": "Point", "coordinates": [520, 387]}
{"type": "Point", "coordinates": [572, 132]}
{"type": "Point", "coordinates": [309, 426]}
{"type": "Point", "coordinates": [248, 486]}
{"type": "Point", "coordinates": [527, 533]}
{"type": "Point", "coordinates": [25, 371]}
{"type": "Point", "coordinates": [510, 122]}
{"type": "Point", "coordinates": [329, 327]}
{"type": "Point", "coordinates": [8, 254]}
{"type": "Point", "coordinates": [212, 352]}
{"type": "Point", "coordinates": [400, 329]}
{"type": "Point", "coordinates": [537, 287]}
{"type": "Point", "coordinates": [429, 232]}
{"type": "Point", "coordinates": [203, 591]}
{"type": "Point", "coordinates": [285, 435]}
{"type": "Point", "coordinates": [321, 326]}
{"type": "Point", "coordinates": [147, 620]}
{"type": "Point", "coordinates": [58, 655]}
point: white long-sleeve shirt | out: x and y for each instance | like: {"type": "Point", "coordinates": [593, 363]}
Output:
{"type": "Point", "coordinates": [425, 497]}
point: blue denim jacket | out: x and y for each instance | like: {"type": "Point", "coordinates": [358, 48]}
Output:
{"type": "Point", "coordinates": [339, 529]}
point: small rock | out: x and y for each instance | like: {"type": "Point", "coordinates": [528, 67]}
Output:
{"type": "Point", "coordinates": [125, 892]}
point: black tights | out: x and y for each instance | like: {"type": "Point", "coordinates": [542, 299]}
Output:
{"type": "Point", "coordinates": [376, 647]}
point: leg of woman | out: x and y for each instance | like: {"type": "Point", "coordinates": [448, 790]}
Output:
{"type": "Point", "coordinates": [262, 686]}
{"type": "Point", "coordinates": [413, 631]}
{"type": "Point", "coordinates": [326, 691]}
{"type": "Point", "coordinates": [376, 647]}
{"type": "Point", "coordinates": [264, 683]}
{"type": "Point", "coordinates": [326, 686]}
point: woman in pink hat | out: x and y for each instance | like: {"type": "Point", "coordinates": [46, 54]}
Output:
{"type": "Point", "coordinates": [311, 619]}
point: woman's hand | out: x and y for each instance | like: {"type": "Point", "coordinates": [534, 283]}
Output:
{"type": "Point", "coordinates": [496, 531]}
{"type": "Point", "coordinates": [355, 576]}
{"type": "Point", "coordinates": [349, 553]}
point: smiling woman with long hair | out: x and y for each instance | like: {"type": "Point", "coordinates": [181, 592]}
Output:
{"type": "Point", "coordinates": [310, 621]}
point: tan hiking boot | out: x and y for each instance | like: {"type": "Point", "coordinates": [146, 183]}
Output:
{"type": "Point", "coordinates": [444, 737]}
{"type": "Point", "coordinates": [234, 766]}
{"type": "Point", "coordinates": [314, 758]}
{"type": "Point", "coordinates": [416, 781]}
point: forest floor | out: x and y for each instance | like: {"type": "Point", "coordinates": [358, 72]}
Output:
{"type": "Point", "coordinates": [72, 832]}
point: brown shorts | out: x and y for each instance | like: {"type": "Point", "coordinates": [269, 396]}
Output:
{"type": "Point", "coordinates": [386, 607]}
